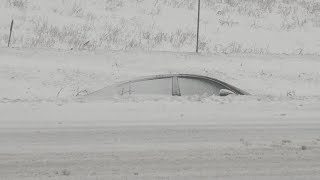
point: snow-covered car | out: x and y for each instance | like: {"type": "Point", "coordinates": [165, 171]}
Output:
{"type": "Point", "coordinates": [170, 85]}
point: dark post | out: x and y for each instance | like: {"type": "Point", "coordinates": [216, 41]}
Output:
{"type": "Point", "coordinates": [197, 49]}
{"type": "Point", "coordinates": [10, 33]}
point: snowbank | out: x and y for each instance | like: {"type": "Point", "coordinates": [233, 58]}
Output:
{"type": "Point", "coordinates": [34, 74]}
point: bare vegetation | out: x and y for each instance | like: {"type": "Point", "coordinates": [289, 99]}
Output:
{"type": "Point", "coordinates": [103, 24]}
{"type": "Point", "coordinates": [22, 4]}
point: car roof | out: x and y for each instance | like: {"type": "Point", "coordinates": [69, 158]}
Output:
{"type": "Point", "coordinates": [152, 77]}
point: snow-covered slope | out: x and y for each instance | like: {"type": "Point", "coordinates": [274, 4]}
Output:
{"type": "Point", "coordinates": [230, 26]}
{"type": "Point", "coordinates": [47, 74]}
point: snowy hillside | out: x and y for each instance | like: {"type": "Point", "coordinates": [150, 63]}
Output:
{"type": "Point", "coordinates": [227, 26]}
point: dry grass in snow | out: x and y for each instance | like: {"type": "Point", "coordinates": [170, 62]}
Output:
{"type": "Point", "coordinates": [230, 26]}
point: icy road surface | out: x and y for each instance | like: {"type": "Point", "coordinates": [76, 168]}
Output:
{"type": "Point", "coordinates": [46, 134]}
{"type": "Point", "coordinates": [130, 141]}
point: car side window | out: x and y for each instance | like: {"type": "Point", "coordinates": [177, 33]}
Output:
{"type": "Point", "coordinates": [162, 86]}
{"type": "Point", "coordinates": [196, 86]}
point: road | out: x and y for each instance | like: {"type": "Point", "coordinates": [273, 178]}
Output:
{"type": "Point", "coordinates": [56, 146]}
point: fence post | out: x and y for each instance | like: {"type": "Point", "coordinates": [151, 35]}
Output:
{"type": "Point", "coordinates": [197, 48]}
{"type": "Point", "coordinates": [10, 33]}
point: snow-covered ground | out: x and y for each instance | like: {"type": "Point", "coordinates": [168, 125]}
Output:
{"type": "Point", "coordinates": [46, 132]}
{"type": "Point", "coordinates": [266, 47]}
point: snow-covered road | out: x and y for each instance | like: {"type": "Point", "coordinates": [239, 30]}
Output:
{"type": "Point", "coordinates": [159, 141]}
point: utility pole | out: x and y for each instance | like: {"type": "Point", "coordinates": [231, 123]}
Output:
{"type": "Point", "coordinates": [11, 26]}
{"type": "Point", "coordinates": [197, 48]}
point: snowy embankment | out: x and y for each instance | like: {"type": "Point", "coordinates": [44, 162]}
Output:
{"type": "Point", "coordinates": [277, 83]}
{"type": "Point", "coordinates": [39, 74]}
{"type": "Point", "coordinates": [46, 134]}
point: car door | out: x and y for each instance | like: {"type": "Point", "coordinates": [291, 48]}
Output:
{"type": "Point", "coordinates": [198, 86]}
